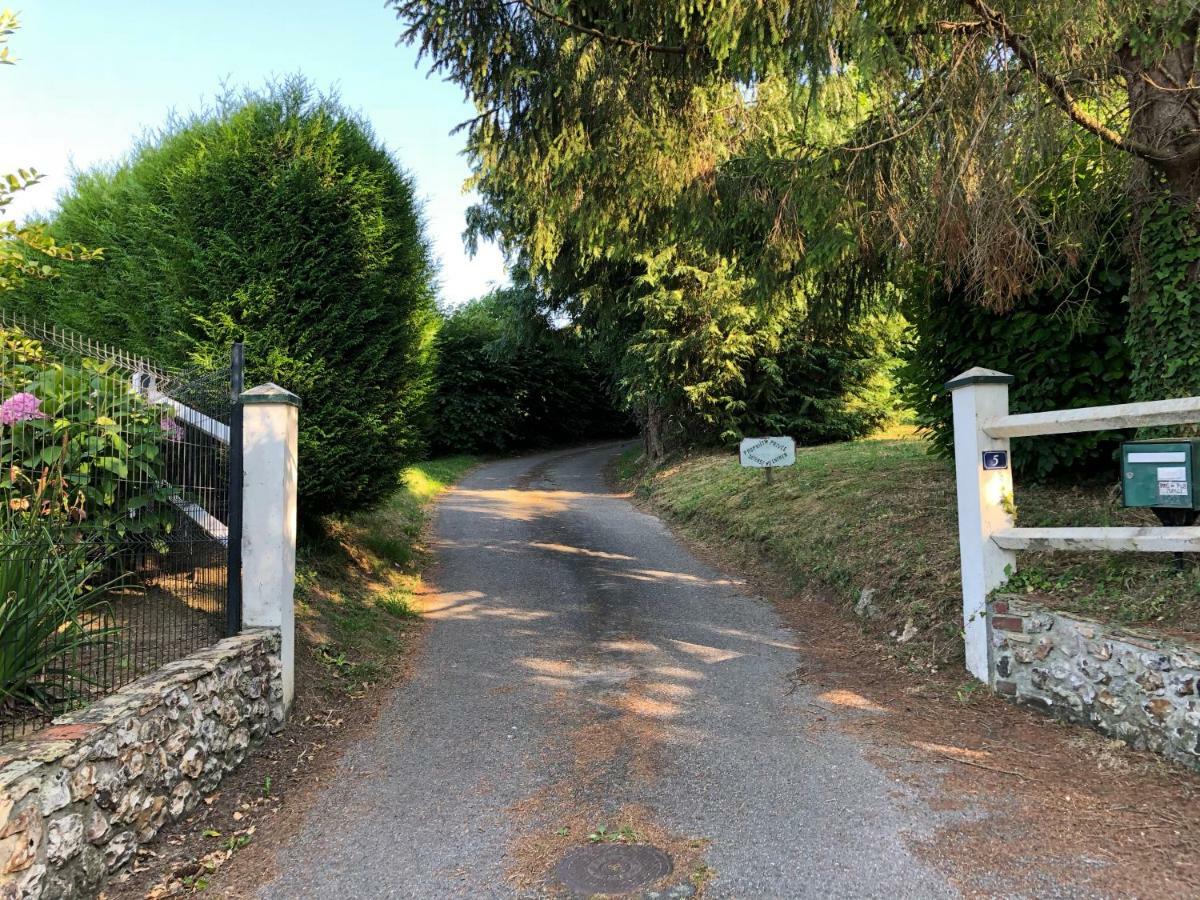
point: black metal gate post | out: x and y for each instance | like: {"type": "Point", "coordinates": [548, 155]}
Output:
{"type": "Point", "coordinates": [237, 383]}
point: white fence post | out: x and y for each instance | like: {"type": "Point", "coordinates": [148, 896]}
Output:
{"type": "Point", "coordinates": [269, 461]}
{"type": "Point", "coordinates": [984, 498]}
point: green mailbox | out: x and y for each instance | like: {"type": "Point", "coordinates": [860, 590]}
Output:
{"type": "Point", "coordinates": [1163, 475]}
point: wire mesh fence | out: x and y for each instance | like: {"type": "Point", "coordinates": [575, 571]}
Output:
{"type": "Point", "coordinates": [114, 476]}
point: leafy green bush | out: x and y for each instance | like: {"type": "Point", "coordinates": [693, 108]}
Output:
{"type": "Point", "coordinates": [276, 218]}
{"type": "Point", "coordinates": [476, 406]}
{"type": "Point", "coordinates": [79, 443]}
{"type": "Point", "coordinates": [1164, 318]}
{"type": "Point", "coordinates": [508, 379]}
{"type": "Point", "coordinates": [1061, 356]}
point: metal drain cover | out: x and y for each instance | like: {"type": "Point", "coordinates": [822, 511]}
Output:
{"type": "Point", "coordinates": [612, 868]}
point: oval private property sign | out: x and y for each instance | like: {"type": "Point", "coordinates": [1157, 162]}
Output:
{"type": "Point", "coordinates": [768, 452]}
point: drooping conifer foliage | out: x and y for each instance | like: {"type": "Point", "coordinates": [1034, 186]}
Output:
{"type": "Point", "coordinates": [630, 181]}
{"type": "Point", "coordinates": [833, 152]}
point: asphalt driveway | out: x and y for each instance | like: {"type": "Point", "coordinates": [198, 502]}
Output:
{"type": "Point", "coordinates": [583, 669]}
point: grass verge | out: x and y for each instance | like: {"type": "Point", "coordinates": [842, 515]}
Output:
{"type": "Point", "coordinates": [872, 524]}
{"type": "Point", "coordinates": [356, 580]}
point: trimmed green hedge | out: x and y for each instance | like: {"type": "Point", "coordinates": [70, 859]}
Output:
{"type": "Point", "coordinates": [280, 219]}
{"type": "Point", "coordinates": [1060, 356]}
{"type": "Point", "coordinates": [508, 380]}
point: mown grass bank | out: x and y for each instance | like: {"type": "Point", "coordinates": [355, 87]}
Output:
{"type": "Point", "coordinates": [880, 515]}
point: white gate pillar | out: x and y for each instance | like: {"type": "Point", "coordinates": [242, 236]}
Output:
{"type": "Point", "coordinates": [269, 465]}
{"type": "Point", "coordinates": [984, 501]}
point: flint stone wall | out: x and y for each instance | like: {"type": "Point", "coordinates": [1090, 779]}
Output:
{"type": "Point", "coordinates": [1131, 684]}
{"type": "Point", "coordinates": [79, 797]}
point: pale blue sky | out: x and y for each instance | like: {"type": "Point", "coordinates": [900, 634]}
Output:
{"type": "Point", "coordinates": [92, 76]}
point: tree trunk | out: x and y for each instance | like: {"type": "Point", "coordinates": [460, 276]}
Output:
{"type": "Point", "coordinates": [1163, 330]}
{"type": "Point", "coordinates": [653, 436]}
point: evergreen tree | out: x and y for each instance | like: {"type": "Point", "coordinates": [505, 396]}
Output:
{"type": "Point", "coordinates": [848, 138]}
{"type": "Point", "coordinates": [278, 219]}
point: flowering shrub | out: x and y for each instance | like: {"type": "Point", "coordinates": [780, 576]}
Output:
{"type": "Point", "coordinates": [79, 442]}
{"type": "Point", "coordinates": [171, 429]}
{"type": "Point", "coordinates": [20, 408]}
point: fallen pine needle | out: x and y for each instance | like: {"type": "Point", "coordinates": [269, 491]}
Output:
{"type": "Point", "coordinates": [979, 765]}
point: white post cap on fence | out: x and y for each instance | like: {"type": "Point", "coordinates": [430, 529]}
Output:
{"type": "Point", "coordinates": [269, 464]}
{"type": "Point", "coordinates": [984, 502]}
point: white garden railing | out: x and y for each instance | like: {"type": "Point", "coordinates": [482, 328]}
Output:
{"type": "Point", "coordinates": [987, 536]}
{"type": "Point", "coordinates": [146, 384]}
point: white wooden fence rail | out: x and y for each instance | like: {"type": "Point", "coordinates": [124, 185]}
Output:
{"type": "Point", "coordinates": [987, 536]}
{"type": "Point", "coordinates": [1171, 539]}
{"type": "Point", "coordinates": [1183, 411]}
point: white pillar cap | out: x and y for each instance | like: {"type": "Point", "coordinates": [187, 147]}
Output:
{"type": "Point", "coordinates": [270, 393]}
{"type": "Point", "coordinates": [978, 375]}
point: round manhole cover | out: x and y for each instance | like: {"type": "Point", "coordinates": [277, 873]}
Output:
{"type": "Point", "coordinates": [612, 868]}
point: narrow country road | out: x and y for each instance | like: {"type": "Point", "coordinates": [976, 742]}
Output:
{"type": "Point", "coordinates": [584, 669]}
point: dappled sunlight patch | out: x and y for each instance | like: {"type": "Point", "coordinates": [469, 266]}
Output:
{"type": "Point", "coordinates": [543, 666]}
{"type": "Point", "coordinates": [754, 638]}
{"type": "Point", "coordinates": [571, 674]}
{"type": "Point", "coordinates": [706, 654]}
{"type": "Point", "coordinates": [670, 689]}
{"type": "Point", "coordinates": [313, 631]}
{"type": "Point", "coordinates": [963, 753]}
{"type": "Point", "coordinates": [467, 605]}
{"type": "Point", "coordinates": [421, 486]}
{"type": "Point", "coordinates": [678, 672]}
{"type": "Point", "coordinates": [515, 613]}
{"type": "Point", "coordinates": [660, 575]}
{"type": "Point", "coordinates": [850, 700]}
{"type": "Point", "coordinates": [473, 543]}
{"type": "Point", "coordinates": [579, 551]}
{"type": "Point", "coordinates": [628, 645]}
{"type": "Point", "coordinates": [632, 576]}
{"type": "Point", "coordinates": [510, 503]}
{"type": "Point", "coordinates": [444, 601]}
{"type": "Point", "coordinates": [641, 705]}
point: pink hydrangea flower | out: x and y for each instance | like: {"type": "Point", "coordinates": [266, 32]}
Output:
{"type": "Point", "coordinates": [172, 429]}
{"type": "Point", "coordinates": [20, 408]}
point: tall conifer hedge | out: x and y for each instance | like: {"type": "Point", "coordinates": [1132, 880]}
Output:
{"type": "Point", "coordinates": [280, 219]}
